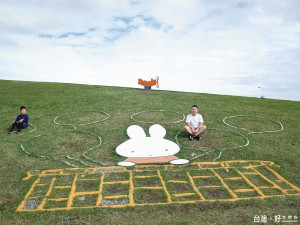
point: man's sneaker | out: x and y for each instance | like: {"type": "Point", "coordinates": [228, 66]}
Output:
{"type": "Point", "coordinates": [198, 137]}
{"type": "Point", "coordinates": [192, 137]}
{"type": "Point", "coordinates": [18, 131]}
{"type": "Point", "coordinates": [11, 131]}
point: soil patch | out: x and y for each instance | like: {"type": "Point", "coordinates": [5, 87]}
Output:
{"type": "Point", "coordinates": [147, 182]}
{"type": "Point", "coordinates": [116, 190]}
{"type": "Point", "coordinates": [214, 193]}
{"type": "Point", "coordinates": [179, 188]}
{"type": "Point", "coordinates": [89, 186]}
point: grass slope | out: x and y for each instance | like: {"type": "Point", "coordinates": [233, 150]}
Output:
{"type": "Point", "coordinates": [45, 101]}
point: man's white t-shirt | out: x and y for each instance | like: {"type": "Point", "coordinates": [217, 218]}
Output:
{"type": "Point", "coordinates": [194, 120]}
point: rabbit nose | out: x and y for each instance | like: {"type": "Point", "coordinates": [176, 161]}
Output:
{"type": "Point", "coordinates": [150, 154]}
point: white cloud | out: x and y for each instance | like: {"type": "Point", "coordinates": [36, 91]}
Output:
{"type": "Point", "coordinates": [201, 46]}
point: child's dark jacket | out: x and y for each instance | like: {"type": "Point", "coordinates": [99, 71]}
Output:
{"type": "Point", "coordinates": [25, 117]}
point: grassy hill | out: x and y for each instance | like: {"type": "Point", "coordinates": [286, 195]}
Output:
{"type": "Point", "coordinates": [55, 110]}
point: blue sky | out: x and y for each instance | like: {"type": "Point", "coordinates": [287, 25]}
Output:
{"type": "Point", "coordinates": [236, 47]}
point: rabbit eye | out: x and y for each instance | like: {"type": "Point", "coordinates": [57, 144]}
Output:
{"type": "Point", "coordinates": [166, 150]}
{"type": "Point", "coordinates": [132, 151]}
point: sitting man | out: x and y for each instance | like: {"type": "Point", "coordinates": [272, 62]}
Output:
{"type": "Point", "coordinates": [194, 124]}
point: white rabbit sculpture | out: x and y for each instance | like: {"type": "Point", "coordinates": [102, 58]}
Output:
{"type": "Point", "coordinates": [155, 149]}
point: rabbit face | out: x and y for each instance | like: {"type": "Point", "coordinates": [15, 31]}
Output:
{"type": "Point", "coordinates": [141, 146]}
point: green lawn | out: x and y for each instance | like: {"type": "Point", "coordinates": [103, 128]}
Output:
{"type": "Point", "coordinates": [52, 134]}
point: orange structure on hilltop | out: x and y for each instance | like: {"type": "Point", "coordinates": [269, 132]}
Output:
{"type": "Point", "coordinates": [148, 84]}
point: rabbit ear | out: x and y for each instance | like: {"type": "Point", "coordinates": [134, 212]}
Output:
{"type": "Point", "coordinates": [135, 132]}
{"type": "Point", "coordinates": [157, 131]}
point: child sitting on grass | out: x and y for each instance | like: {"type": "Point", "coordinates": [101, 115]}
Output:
{"type": "Point", "coordinates": [21, 121]}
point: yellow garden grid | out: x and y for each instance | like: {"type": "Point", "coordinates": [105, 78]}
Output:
{"type": "Point", "coordinates": [71, 188]}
